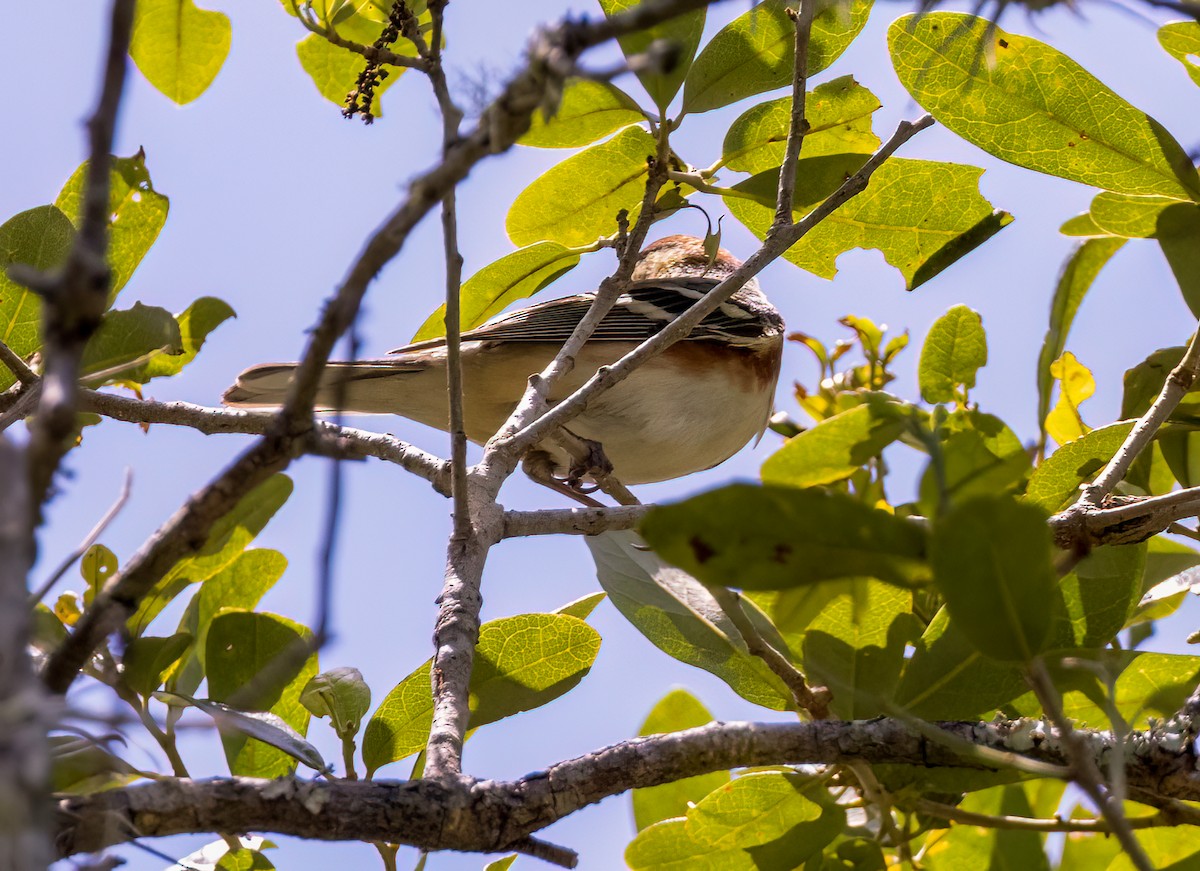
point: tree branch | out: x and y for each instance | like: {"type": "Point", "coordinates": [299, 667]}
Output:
{"type": "Point", "coordinates": [798, 125]}
{"type": "Point", "coordinates": [489, 816]}
{"type": "Point", "coordinates": [573, 521]}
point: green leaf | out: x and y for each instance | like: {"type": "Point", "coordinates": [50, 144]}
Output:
{"type": "Point", "coordinates": [1029, 104]}
{"type": "Point", "coordinates": [683, 32]}
{"type": "Point", "coordinates": [499, 865]}
{"type": "Point", "coordinates": [40, 238]}
{"type": "Point", "coordinates": [675, 711]}
{"type": "Point", "coordinates": [240, 645]}
{"type": "Point", "coordinates": [1128, 216]}
{"type": "Point", "coordinates": [839, 118]}
{"type": "Point", "coordinates": [1055, 483]}
{"type": "Point", "coordinates": [922, 214]}
{"type": "Point", "coordinates": [991, 561]}
{"type": "Point", "coordinates": [1181, 39]}
{"type": "Point", "coordinates": [1076, 278]}
{"type": "Point", "coordinates": [752, 810]}
{"type": "Point", "coordinates": [127, 336]}
{"type": "Point", "coordinates": [581, 607]}
{"type": "Point", "coordinates": [1102, 593]}
{"type": "Point", "coordinates": [967, 846]}
{"type": "Point", "coordinates": [838, 446]}
{"type": "Point", "coordinates": [947, 678]}
{"type": "Point", "coordinates": [771, 537]}
{"type": "Point", "coordinates": [244, 860]}
{"type": "Point", "coordinates": [179, 47]}
{"type": "Point", "coordinates": [241, 584]}
{"type": "Point", "coordinates": [576, 202]}
{"type": "Point", "coordinates": [670, 846]}
{"type": "Point", "coordinates": [1144, 382]}
{"type": "Point", "coordinates": [680, 617]}
{"type": "Point", "coordinates": [499, 284]}
{"type": "Point", "coordinates": [521, 663]}
{"type": "Point", "coordinates": [98, 565]}
{"type": "Point", "coordinates": [195, 323]}
{"type": "Point", "coordinates": [1178, 234]}
{"type": "Point", "coordinates": [136, 212]}
{"type": "Point", "coordinates": [270, 729]}
{"type": "Point", "coordinates": [756, 52]}
{"type": "Point", "coordinates": [856, 647]}
{"type": "Point", "coordinates": [79, 767]}
{"type": "Point", "coordinates": [589, 110]}
{"type": "Point", "coordinates": [954, 350]}
{"type": "Point", "coordinates": [335, 70]}
{"type": "Point", "coordinates": [147, 661]}
{"type": "Point", "coordinates": [340, 694]}
{"type": "Point", "coordinates": [226, 540]}
{"type": "Point", "coordinates": [980, 455]}
{"type": "Point", "coordinates": [1171, 849]}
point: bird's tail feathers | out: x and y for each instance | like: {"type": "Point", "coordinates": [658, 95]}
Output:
{"type": "Point", "coordinates": [358, 386]}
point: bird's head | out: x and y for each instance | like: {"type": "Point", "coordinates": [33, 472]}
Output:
{"type": "Point", "coordinates": [674, 256]}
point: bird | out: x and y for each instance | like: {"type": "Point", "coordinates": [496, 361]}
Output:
{"type": "Point", "coordinates": [690, 408]}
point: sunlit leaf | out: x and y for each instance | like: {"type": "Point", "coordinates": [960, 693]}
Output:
{"type": "Point", "coordinates": [589, 110]}
{"type": "Point", "coordinates": [335, 70]}
{"type": "Point", "coordinates": [1181, 39]}
{"type": "Point", "coordinates": [838, 113]}
{"type": "Point", "coordinates": [840, 445]}
{"type": "Point", "coordinates": [147, 660]}
{"type": "Point", "coordinates": [683, 32]}
{"type": "Point", "coordinates": [1025, 102]}
{"type": "Point", "coordinates": [756, 51]}
{"type": "Point", "coordinates": [954, 350]}
{"type": "Point", "coordinates": [922, 214]}
{"type": "Point", "coordinates": [499, 284]}
{"type": "Point", "coordinates": [1076, 278]}
{"type": "Point", "coordinates": [136, 214]}
{"type": "Point", "coordinates": [179, 47]}
{"type": "Point", "coordinates": [40, 238]}
{"type": "Point", "coordinates": [240, 649]}
{"type": "Point", "coordinates": [752, 810]}
{"type": "Point", "coordinates": [127, 336]}
{"type": "Point", "coordinates": [195, 323]}
{"type": "Point", "coordinates": [1055, 483]}
{"type": "Point", "coordinates": [521, 663]}
{"type": "Point", "coordinates": [576, 202]}
{"type": "Point", "coordinates": [340, 694]}
{"type": "Point", "coordinates": [1075, 384]}
{"type": "Point", "coordinates": [675, 711]}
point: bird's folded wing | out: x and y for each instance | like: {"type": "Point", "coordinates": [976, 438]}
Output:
{"type": "Point", "coordinates": [643, 310]}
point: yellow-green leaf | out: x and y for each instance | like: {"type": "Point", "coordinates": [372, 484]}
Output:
{"type": "Point", "coordinates": [1075, 384]}
{"type": "Point", "coordinates": [576, 202]}
{"type": "Point", "coordinates": [922, 214]}
{"type": "Point", "coordinates": [179, 47]}
{"type": "Point", "coordinates": [514, 276]}
{"type": "Point", "coordinates": [40, 238]}
{"type": "Point", "coordinates": [1181, 39]}
{"type": "Point", "coordinates": [756, 51]}
{"type": "Point", "coordinates": [954, 351]}
{"type": "Point", "coordinates": [1033, 106]}
{"type": "Point", "coordinates": [682, 32]}
{"type": "Point", "coordinates": [335, 70]}
{"type": "Point", "coordinates": [124, 337]}
{"type": "Point", "coordinates": [675, 711]}
{"type": "Point", "coordinates": [136, 214]}
{"type": "Point", "coordinates": [839, 118]}
{"type": "Point", "coordinates": [588, 110]}
{"type": "Point", "coordinates": [1055, 483]}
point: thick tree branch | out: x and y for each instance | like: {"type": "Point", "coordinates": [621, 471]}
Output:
{"type": "Point", "coordinates": [485, 816]}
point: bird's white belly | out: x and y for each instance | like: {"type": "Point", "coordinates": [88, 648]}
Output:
{"type": "Point", "coordinates": [671, 424]}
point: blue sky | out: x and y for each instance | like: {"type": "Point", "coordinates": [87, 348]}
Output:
{"type": "Point", "coordinates": [272, 193]}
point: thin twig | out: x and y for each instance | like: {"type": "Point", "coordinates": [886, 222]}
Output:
{"type": "Point", "coordinates": [1084, 769]}
{"type": "Point", "coordinates": [1030, 824]}
{"type": "Point", "coordinates": [88, 540]}
{"type": "Point", "coordinates": [16, 365]}
{"type": "Point", "coordinates": [798, 124]}
{"type": "Point", "coordinates": [814, 700]}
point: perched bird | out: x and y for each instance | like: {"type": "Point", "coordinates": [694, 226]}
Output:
{"type": "Point", "coordinates": [690, 408]}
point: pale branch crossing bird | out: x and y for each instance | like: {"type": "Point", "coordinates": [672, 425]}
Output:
{"type": "Point", "coordinates": [690, 408]}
